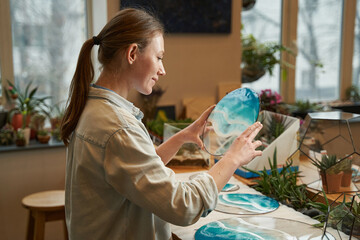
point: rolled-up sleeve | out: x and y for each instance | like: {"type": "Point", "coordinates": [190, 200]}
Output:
{"type": "Point", "coordinates": [133, 168]}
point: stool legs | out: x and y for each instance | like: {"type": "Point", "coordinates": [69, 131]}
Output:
{"type": "Point", "coordinates": [36, 224]}
{"type": "Point", "coordinates": [39, 225]}
{"type": "Point", "coordinates": [30, 227]}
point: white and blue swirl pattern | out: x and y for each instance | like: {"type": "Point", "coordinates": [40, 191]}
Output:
{"type": "Point", "coordinates": [259, 227]}
{"type": "Point", "coordinates": [235, 112]}
{"type": "Point", "coordinates": [236, 228]}
{"type": "Point", "coordinates": [250, 202]}
{"type": "Point", "coordinates": [232, 115]}
{"type": "Point", "coordinates": [229, 187]}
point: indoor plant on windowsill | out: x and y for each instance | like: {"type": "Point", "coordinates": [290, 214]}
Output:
{"type": "Point", "coordinates": [26, 104]}
{"type": "Point", "coordinates": [20, 140]}
{"type": "Point", "coordinates": [43, 136]}
{"type": "Point", "coordinates": [259, 58]}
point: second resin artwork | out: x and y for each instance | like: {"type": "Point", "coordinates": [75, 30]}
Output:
{"type": "Point", "coordinates": [246, 203]}
{"type": "Point", "coordinates": [232, 115]}
{"type": "Point", "coordinates": [259, 228]}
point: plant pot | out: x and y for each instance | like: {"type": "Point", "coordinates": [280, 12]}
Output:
{"type": "Point", "coordinates": [17, 120]}
{"type": "Point", "coordinates": [331, 182]}
{"type": "Point", "coordinates": [249, 74]}
{"type": "Point", "coordinates": [43, 139]}
{"type": "Point", "coordinates": [33, 133]}
{"type": "Point", "coordinates": [346, 179]}
{"type": "Point", "coordinates": [27, 132]}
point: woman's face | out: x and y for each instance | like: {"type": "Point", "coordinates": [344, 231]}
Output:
{"type": "Point", "coordinates": [148, 65]}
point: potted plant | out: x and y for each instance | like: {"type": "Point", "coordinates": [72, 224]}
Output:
{"type": "Point", "coordinates": [56, 115]}
{"type": "Point", "coordinates": [259, 58]}
{"type": "Point", "coordinates": [43, 136]}
{"type": "Point", "coordinates": [26, 104]}
{"type": "Point", "coordinates": [330, 172]}
{"type": "Point", "coordinates": [37, 122]}
{"type": "Point", "coordinates": [20, 137]}
{"type": "Point", "coordinates": [55, 133]}
{"type": "Point", "coordinates": [302, 108]}
{"type": "Point", "coordinates": [272, 101]}
{"type": "Point", "coordinates": [7, 135]}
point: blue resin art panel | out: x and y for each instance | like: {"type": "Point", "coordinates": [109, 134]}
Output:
{"type": "Point", "coordinates": [256, 228]}
{"type": "Point", "coordinates": [232, 115]}
{"type": "Point", "coordinates": [245, 203]}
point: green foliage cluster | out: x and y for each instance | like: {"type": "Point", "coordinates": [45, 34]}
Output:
{"type": "Point", "coordinates": [42, 132]}
{"type": "Point", "coordinates": [352, 93]}
{"type": "Point", "coordinates": [327, 164]}
{"type": "Point", "coordinates": [7, 135]}
{"type": "Point", "coordinates": [156, 125]}
{"type": "Point", "coordinates": [272, 130]}
{"type": "Point", "coordinates": [26, 101]}
{"type": "Point", "coordinates": [277, 126]}
{"type": "Point", "coordinates": [306, 106]}
{"type": "Point", "coordinates": [261, 56]}
{"type": "Point", "coordinates": [345, 217]}
{"type": "Point", "coordinates": [281, 185]}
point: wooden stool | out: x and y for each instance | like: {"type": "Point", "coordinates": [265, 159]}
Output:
{"type": "Point", "coordinates": [44, 207]}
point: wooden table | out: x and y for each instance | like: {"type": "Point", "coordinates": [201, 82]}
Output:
{"type": "Point", "coordinates": [309, 174]}
{"type": "Point", "coordinates": [187, 232]}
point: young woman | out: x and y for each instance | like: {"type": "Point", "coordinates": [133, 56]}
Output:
{"type": "Point", "coordinates": [117, 184]}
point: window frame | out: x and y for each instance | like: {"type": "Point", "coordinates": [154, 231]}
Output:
{"type": "Point", "coordinates": [289, 38]}
{"type": "Point", "coordinates": [6, 49]}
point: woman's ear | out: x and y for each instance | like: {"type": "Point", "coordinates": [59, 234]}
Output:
{"type": "Point", "coordinates": [131, 53]}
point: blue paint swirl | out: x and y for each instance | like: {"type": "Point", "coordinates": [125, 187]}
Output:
{"type": "Point", "coordinates": [232, 115]}
{"type": "Point", "coordinates": [249, 202]}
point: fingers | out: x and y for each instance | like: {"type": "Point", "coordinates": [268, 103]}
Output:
{"type": "Point", "coordinates": [206, 113]}
{"type": "Point", "coordinates": [257, 144]}
{"type": "Point", "coordinates": [256, 131]}
{"type": "Point", "coordinates": [208, 129]}
{"type": "Point", "coordinates": [251, 129]}
{"type": "Point", "coordinates": [257, 153]}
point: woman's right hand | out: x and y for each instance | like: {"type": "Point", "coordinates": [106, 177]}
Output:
{"type": "Point", "coordinates": [243, 149]}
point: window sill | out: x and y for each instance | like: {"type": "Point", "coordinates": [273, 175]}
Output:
{"type": "Point", "coordinates": [33, 145]}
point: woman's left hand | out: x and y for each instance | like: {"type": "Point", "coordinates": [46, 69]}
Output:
{"type": "Point", "coordinates": [193, 132]}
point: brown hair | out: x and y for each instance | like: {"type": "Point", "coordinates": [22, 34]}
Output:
{"type": "Point", "coordinates": [127, 27]}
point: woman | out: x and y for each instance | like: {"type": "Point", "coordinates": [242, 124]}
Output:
{"type": "Point", "coordinates": [117, 185]}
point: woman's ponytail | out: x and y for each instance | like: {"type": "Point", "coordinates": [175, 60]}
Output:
{"type": "Point", "coordinates": [79, 91]}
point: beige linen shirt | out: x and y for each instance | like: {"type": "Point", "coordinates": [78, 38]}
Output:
{"type": "Point", "coordinates": [117, 187]}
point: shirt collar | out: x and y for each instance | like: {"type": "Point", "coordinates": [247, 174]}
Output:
{"type": "Point", "coordinates": [101, 92]}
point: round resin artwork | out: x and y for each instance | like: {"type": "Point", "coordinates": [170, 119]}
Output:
{"type": "Point", "coordinates": [259, 228]}
{"type": "Point", "coordinates": [246, 203]}
{"type": "Point", "coordinates": [230, 187]}
{"type": "Point", "coordinates": [231, 116]}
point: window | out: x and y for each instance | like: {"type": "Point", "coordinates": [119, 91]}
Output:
{"type": "Point", "coordinates": [356, 57]}
{"type": "Point", "coordinates": [263, 21]}
{"type": "Point", "coordinates": [319, 46]}
{"type": "Point", "coordinates": [47, 37]}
